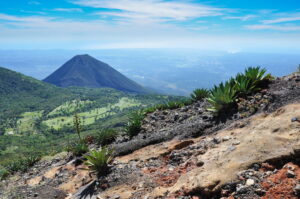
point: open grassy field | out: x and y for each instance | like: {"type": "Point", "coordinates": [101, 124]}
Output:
{"type": "Point", "coordinates": [26, 123]}
{"type": "Point", "coordinates": [69, 107]}
{"type": "Point", "coordinates": [90, 116]}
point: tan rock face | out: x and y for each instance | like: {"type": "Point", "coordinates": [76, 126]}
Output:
{"type": "Point", "coordinates": [80, 178]}
{"type": "Point", "coordinates": [70, 185]}
{"type": "Point", "coordinates": [154, 151]}
{"type": "Point", "coordinates": [34, 181]}
{"type": "Point", "coordinates": [122, 191]}
{"type": "Point", "coordinates": [52, 172]}
{"type": "Point", "coordinates": [267, 137]}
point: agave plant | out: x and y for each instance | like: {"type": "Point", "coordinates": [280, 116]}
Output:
{"type": "Point", "coordinates": [106, 136]}
{"type": "Point", "coordinates": [244, 85]}
{"type": "Point", "coordinates": [174, 105]}
{"type": "Point", "coordinates": [199, 94]}
{"type": "Point", "coordinates": [98, 160]}
{"type": "Point", "coordinates": [133, 127]}
{"type": "Point", "coordinates": [222, 97]}
{"type": "Point", "coordinates": [257, 75]}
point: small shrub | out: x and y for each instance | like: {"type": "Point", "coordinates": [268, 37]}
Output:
{"type": "Point", "coordinates": [174, 105]}
{"type": "Point", "coordinates": [31, 160]}
{"type": "Point", "coordinates": [15, 166]}
{"type": "Point", "coordinates": [169, 105]}
{"type": "Point", "coordinates": [97, 161]}
{"type": "Point", "coordinates": [150, 109]}
{"type": "Point", "coordinates": [22, 164]}
{"type": "Point", "coordinates": [187, 102]}
{"type": "Point", "coordinates": [222, 97]}
{"type": "Point", "coordinates": [106, 136]}
{"type": "Point", "coordinates": [89, 139]}
{"type": "Point", "coordinates": [3, 173]}
{"type": "Point", "coordinates": [133, 127]}
{"type": "Point", "coordinates": [78, 148]}
{"type": "Point", "coordinates": [199, 94]}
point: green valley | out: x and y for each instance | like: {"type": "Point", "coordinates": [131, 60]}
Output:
{"type": "Point", "coordinates": [37, 117]}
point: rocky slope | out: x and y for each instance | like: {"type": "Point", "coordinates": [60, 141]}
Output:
{"type": "Point", "coordinates": [189, 154]}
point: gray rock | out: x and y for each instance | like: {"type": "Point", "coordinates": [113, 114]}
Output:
{"type": "Point", "coordinates": [294, 119]}
{"type": "Point", "coordinates": [260, 192]}
{"type": "Point", "coordinates": [199, 163]}
{"type": "Point", "coordinates": [290, 174]}
{"type": "Point", "coordinates": [297, 189]}
{"type": "Point", "coordinates": [176, 116]}
{"type": "Point", "coordinates": [231, 148]}
{"type": "Point", "coordinates": [250, 182]}
{"type": "Point", "coordinates": [236, 142]}
{"type": "Point", "coordinates": [256, 167]}
{"type": "Point", "coordinates": [217, 140]}
{"type": "Point", "coordinates": [226, 138]}
{"type": "Point", "coordinates": [240, 189]}
{"type": "Point", "coordinates": [116, 197]}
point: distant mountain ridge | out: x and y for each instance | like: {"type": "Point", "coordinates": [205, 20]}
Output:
{"type": "Point", "coordinates": [20, 93]}
{"type": "Point", "coordinates": [12, 82]}
{"type": "Point", "coordinates": [86, 71]}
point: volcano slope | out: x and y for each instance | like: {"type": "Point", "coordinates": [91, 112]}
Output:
{"type": "Point", "coordinates": [187, 153]}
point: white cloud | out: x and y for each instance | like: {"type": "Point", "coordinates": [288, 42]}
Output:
{"type": "Point", "coordinates": [172, 10]}
{"type": "Point", "coordinates": [281, 20]}
{"type": "Point", "coordinates": [47, 33]}
{"type": "Point", "coordinates": [242, 18]}
{"type": "Point", "coordinates": [68, 9]}
{"type": "Point", "coordinates": [33, 12]}
{"type": "Point", "coordinates": [273, 27]}
{"type": "Point", "coordinates": [23, 19]}
{"type": "Point", "coordinates": [34, 3]}
{"type": "Point", "coordinates": [131, 17]}
{"type": "Point", "coordinates": [89, 33]}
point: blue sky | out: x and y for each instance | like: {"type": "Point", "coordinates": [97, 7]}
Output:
{"type": "Point", "coordinates": [230, 25]}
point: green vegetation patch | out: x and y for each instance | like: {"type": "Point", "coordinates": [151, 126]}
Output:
{"type": "Point", "coordinates": [69, 107]}
{"type": "Point", "coordinates": [28, 121]}
{"type": "Point", "coordinates": [91, 116]}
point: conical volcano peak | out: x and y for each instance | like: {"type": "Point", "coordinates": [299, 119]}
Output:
{"type": "Point", "coordinates": [83, 56]}
{"type": "Point", "coordinates": [86, 71]}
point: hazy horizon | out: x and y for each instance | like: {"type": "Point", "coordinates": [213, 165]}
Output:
{"type": "Point", "coordinates": [170, 71]}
